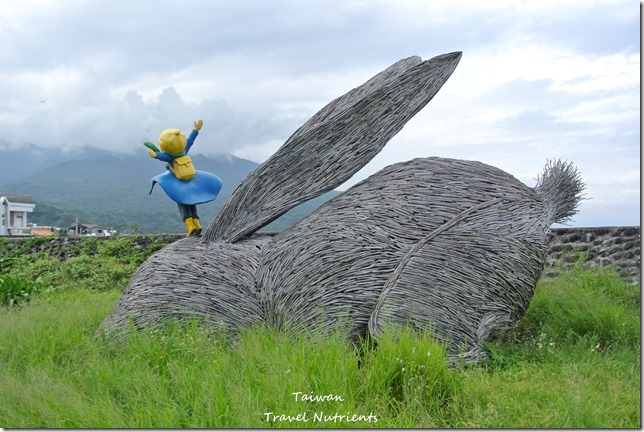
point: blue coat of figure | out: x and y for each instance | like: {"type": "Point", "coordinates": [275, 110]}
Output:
{"type": "Point", "coordinates": [181, 182]}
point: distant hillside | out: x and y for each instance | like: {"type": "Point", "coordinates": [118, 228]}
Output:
{"type": "Point", "coordinates": [30, 158]}
{"type": "Point", "coordinates": [112, 190]}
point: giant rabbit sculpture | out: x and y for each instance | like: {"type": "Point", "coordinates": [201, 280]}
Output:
{"type": "Point", "coordinates": [450, 246]}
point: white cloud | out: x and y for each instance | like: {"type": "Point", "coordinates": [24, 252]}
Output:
{"type": "Point", "coordinates": [538, 79]}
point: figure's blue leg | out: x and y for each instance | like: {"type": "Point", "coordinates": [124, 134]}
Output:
{"type": "Point", "coordinates": [195, 219]}
{"type": "Point", "coordinates": [186, 214]}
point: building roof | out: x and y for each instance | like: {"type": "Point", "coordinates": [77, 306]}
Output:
{"type": "Point", "coordinates": [25, 199]}
{"type": "Point", "coordinates": [41, 232]}
{"type": "Point", "coordinates": [88, 226]}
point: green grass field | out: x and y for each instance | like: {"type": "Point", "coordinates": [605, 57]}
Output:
{"type": "Point", "coordinates": [573, 361]}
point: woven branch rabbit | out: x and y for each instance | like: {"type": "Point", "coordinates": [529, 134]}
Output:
{"type": "Point", "coordinates": [450, 246]}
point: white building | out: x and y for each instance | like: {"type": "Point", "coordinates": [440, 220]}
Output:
{"type": "Point", "coordinates": [13, 214]}
{"type": "Point", "coordinates": [89, 230]}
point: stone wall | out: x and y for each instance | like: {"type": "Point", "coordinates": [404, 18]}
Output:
{"type": "Point", "coordinates": [617, 247]}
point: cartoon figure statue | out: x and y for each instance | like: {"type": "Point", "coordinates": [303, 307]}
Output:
{"type": "Point", "coordinates": [181, 182]}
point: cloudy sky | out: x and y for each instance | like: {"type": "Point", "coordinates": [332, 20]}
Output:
{"type": "Point", "coordinates": [538, 79]}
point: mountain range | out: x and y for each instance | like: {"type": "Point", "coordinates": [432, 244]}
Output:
{"type": "Point", "coordinates": [108, 189]}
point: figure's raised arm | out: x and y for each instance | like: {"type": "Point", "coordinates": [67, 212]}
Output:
{"type": "Point", "coordinates": [193, 135]}
{"type": "Point", "coordinates": [152, 149]}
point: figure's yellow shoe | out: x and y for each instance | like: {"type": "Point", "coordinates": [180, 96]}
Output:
{"type": "Point", "coordinates": [191, 226]}
{"type": "Point", "coordinates": [195, 222]}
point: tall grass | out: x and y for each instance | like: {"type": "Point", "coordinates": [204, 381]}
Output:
{"type": "Point", "coordinates": [572, 362]}
{"type": "Point", "coordinates": [187, 377]}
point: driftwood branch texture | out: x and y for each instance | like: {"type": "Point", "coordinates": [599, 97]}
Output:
{"type": "Point", "coordinates": [333, 145]}
{"type": "Point", "coordinates": [450, 246]}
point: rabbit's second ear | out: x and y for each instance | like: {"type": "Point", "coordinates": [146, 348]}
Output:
{"type": "Point", "coordinates": [333, 145]}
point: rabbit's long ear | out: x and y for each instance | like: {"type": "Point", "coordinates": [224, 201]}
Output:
{"type": "Point", "coordinates": [333, 145]}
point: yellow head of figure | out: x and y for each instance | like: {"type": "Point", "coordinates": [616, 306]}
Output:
{"type": "Point", "coordinates": [172, 141]}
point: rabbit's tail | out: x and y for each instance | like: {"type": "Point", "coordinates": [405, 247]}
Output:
{"type": "Point", "coordinates": [561, 189]}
